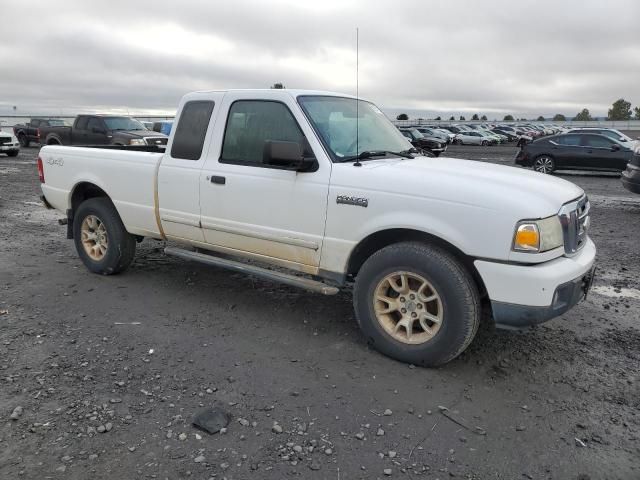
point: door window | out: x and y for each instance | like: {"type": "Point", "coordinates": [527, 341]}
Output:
{"type": "Point", "coordinates": [188, 138]}
{"type": "Point", "coordinates": [568, 140]}
{"type": "Point", "coordinates": [596, 141]}
{"type": "Point", "coordinates": [251, 123]}
{"type": "Point", "coordinates": [81, 124]}
{"type": "Point", "coordinates": [94, 123]}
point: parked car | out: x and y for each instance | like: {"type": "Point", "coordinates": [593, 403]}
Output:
{"type": "Point", "coordinates": [511, 136]}
{"type": "Point", "coordinates": [276, 177]}
{"type": "Point", "coordinates": [450, 135]}
{"type": "Point", "coordinates": [575, 151]}
{"type": "Point", "coordinates": [473, 138]}
{"type": "Point", "coordinates": [102, 130]}
{"type": "Point", "coordinates": [30, 132]}
{"type": "Point", "coordinates": [455, 128]}
{"type": "Point", "coordinates": [435, 146]}
{"type": "Point", "coordinates": [492, 136]}
{"type": "Point", "coordinates": [429, 132]}
{"type": "Point", "coordinates": [631, 176]}
{"type": "Point", "coordinates": [9, 144]}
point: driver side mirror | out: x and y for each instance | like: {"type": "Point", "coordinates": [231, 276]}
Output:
{"type": "Point", "coordinates": [287, 155]}
{"type": "Point", "coordinates": [615, 147]}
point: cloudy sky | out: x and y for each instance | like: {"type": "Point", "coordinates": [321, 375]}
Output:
{"type": "Point", "coordinates": [425, 57]}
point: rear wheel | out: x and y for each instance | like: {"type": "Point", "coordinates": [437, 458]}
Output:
{"type": "Point", "coordinates": [416, 303]}
{"type": "Point", "coordinates": [13, 153]}
{"type": "Point", "coordinates": [102, 242]}
{"type": "Point", "coordinates": [544, 164]}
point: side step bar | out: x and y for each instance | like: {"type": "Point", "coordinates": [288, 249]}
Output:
{"type": "Point", "coordinates": [294, 281]}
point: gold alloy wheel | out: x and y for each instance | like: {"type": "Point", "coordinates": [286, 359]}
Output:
{"type": "Point", "coordinates": [408, 307]}
{"type": "Point", "coordinates": [94, 237]}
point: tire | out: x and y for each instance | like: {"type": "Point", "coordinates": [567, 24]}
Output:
{"type": "Point", "coordinates": [457, 141]}
{"type": "Point", "coordinates": [457, 304]}
{"type": "Point", "coordinates": [24, 140]}
{"type": "Point", "coordinates": [436, 154]}
{"type": "Point", "coordinates": [484, 143]}
{"type": "Point", "coordinates": [13, 153]}
{"type": "Point", "coordinates": [544, 164]}
{"type": "Point", "coordinates": [118, 245]}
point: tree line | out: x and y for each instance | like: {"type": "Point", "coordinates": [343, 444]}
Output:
{"type": "Point", "coordinates": [620, 110]}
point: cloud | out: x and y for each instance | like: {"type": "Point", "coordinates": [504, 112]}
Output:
{"type": "Point", "coordinates": [440, 56]}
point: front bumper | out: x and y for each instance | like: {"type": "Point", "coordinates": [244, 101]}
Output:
{"type": "Point", "coordinates": [10, 147]}
{"type": "Point", "coordinates": [524, 295]}
{"type": "Point", "coordinates": [631, 178]}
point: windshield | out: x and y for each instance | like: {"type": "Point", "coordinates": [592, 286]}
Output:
{"type": "Point", "coordinates": [123, 123]}
{"type": "Point", "coordinates": [334, 119]}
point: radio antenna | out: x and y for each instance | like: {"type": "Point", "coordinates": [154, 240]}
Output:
{"type": "Point", "coordinates": [357, 164]}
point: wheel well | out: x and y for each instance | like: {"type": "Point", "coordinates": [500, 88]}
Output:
{"type": "Point", "coordinates": [83, 191]}
{"type": "Point", "coordinates": [53, 141]}
{"type": "Point", "coordinates": [379, 240]}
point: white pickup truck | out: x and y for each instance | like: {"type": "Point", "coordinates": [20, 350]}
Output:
{"type": "Point", "coordinates": [320, 190]}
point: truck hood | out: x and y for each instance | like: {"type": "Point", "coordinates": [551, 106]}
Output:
{"type": "Point", "coordinates": [483, 185]}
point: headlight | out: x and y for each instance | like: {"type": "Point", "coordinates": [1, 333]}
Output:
{"type": "Point", "coordinates": [14, 139]}
{"type": "Point", "coordinates": [535, 236]}
{"type": "Point", "coordinates": [137, 141]}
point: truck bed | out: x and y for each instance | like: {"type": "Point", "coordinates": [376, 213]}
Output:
{"type": "Point", "coordinates": [125, 174]}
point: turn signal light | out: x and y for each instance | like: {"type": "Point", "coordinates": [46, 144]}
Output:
{"type": "Point", "coordinates": [527, 238]}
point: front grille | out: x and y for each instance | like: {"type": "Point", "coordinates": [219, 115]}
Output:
{"type": "Point", "coordinates": [5, 140]}
{"type": "Point", "coordinates": [575, 220]}
{"type": "Point", "coordinates": [156, 140]}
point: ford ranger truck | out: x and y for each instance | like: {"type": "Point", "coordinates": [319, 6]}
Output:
{"type": "Point", "coordinates": [275, 183]}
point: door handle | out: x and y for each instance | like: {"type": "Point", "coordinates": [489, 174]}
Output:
{"type": "Point", "coordinates": [218, 179]}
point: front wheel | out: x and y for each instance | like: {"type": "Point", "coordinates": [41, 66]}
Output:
{"type": "Point", "coordinates": [102, 242]}
{"type": "Point", "coordinates": [416, 303]}
{"type": "Point", "coordinates": [484, 143]}
{"type": "Point", "coordinates": [13, 153]}
{"type": "Point", "coordinates": [544, 164]}
{"type": "Point", "coordinates": [24, 141]}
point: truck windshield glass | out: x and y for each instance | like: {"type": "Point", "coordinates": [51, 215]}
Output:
{"type": "Point", "coordinates": [334, 119]}
{"type": "Point", "coordinates": [123, 123]}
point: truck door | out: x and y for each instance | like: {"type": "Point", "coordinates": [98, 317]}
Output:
{"type": "Point", "coordinates": [249, 207]}
{"type": "Point", "coordinates": [179, 171]}
{"type": "Point", "coordinates": [96, 133]}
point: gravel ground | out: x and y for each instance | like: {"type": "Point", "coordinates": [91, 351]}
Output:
{"type": "Point", "coordinates": [108, 372]}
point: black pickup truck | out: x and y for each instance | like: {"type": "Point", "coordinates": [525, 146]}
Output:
{"type": "Point", "coordinates": [102, 130]}
{"type": "Point", "coordinates": [30, 132]}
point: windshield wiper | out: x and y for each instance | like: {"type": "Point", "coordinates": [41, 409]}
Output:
{"type": "Point", "coordinates": [378, 153]}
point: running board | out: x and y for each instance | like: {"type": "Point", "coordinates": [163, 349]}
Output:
{"type": "Point", "coordinates": [287, 279]}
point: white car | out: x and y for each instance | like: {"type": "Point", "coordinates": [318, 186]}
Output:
{"type": "Point", "coordinates": [264, 178]}
{"type": "Point", "coordinates": [9, 144]}
{"type": "Point", "coordinates": [472, 138]}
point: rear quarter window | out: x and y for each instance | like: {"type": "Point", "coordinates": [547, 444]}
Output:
{"type": "Point", "coordinates": [188, 138]}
